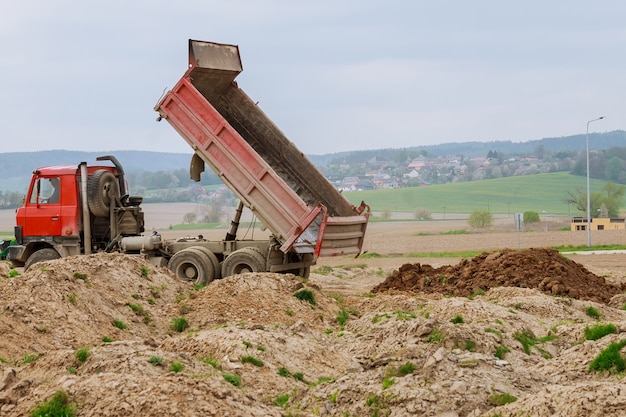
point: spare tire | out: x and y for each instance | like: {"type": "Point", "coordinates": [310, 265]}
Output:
{"type": "Point", "coordinates": [101, 188]}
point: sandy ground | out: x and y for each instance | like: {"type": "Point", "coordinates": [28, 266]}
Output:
{"type": "Point", "coordinates": [254, 348]}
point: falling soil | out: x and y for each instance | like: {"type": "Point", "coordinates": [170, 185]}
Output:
{"type": "Point", "coordinates": [538, 268]}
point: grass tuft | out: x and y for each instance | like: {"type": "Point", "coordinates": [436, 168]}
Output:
{"type": "Point", "coordinates": [232, 378]}
{"type": "Point", "coordinates": [57, 406]}
{"type": "Point", "coordinates": [306, 295]}
{"type": "Point", "coordinates": [610, 359]}
{"type": "Point", "coordinates": [82, 354]}
{"type": "Point", "coordinates": [179, 324]}
{"type": "Point", "coordinates": [599, 331]}
{"type": "Point", "coordinates": [252, 360]}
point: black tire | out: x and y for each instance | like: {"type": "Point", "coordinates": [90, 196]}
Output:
{"type": "Point", "coordinates": [217, 269]}
{"type": "Point", "coordinates": [46, 254]}
{"type": "Point", "coordinates": [102, 186]}
{"type": "Point", "coordinates": [303, 272]}
{"type": "Point", "coordinates": [192, 265]}
{"type": "Point", "coordinates": [242, 261]}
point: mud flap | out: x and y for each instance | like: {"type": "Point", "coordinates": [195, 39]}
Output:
{"type": "Point", "coordinates": [196, 167]}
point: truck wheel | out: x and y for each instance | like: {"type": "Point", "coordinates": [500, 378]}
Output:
{"type": "Point", "coordinates": [303, 272]}
{"type": "Point", "coordinates": [101, 188]}
{"type": "Point", "coordinates": [244, 260]}
{"type": "Point", "coordinates": [192, 265]}
{"type": "Point", "coordinates": [46, 254]}
{"type": "Point", "coordinates": [217, 271]}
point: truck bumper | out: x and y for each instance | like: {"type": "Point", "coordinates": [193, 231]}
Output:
{"type": "Point", "coordinates": [16, 253]}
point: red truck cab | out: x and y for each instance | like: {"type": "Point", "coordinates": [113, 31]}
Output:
{"type": "Point", "coordinates": [51, 207]}
{"type": "Point", "coordinates": [71, 210]}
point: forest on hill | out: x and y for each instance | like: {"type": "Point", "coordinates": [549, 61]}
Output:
{"type": "Point", "coordinates": [163, 177]}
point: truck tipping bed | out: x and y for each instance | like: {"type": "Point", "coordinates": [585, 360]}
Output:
{"type": "Point", "coordinates": [230, 133]}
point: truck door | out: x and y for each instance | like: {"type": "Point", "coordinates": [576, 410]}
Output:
{"type": "Point", "coordinates": [42, 215]}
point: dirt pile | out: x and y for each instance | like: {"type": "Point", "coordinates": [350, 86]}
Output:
{"type": "Point", "coordinates": [252, 347]}
{"type": "Point", "coordinates": [543, 269]}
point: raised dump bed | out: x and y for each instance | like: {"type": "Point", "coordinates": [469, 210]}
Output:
{"type": "Point", "coordinates": [231, 134]}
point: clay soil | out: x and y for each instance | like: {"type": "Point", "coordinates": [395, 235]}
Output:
{"type": "Point", "coordinates": [390, 334]}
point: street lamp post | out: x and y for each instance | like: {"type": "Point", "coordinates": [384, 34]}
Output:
{"type": "Point", "coordinates": [588, 192]}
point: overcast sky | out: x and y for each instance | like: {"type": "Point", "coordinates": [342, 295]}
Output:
{"type": "Point", "coordinates": [333, 75]}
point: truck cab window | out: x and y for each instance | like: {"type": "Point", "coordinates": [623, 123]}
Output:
{"type": "Point", "coordinates": [46, 191]}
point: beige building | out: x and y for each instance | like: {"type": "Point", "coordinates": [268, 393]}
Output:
{"type": "Point", "coordinates": [599, 223]}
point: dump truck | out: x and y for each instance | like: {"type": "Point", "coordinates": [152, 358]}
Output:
{"type": "Point", "coordinates": [226, 129]}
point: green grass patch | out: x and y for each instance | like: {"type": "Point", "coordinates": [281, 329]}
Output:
{"type": "Point", "coordinates": [501, 351]}
{"type": "Point", "coordinates": [435, 336]}
{"type": "Point", "coordinates": [529, 340]}
{"type": "Point", "coordinates": [57, 406]}
{"type": "Point", "coordinates": [342, 318]}
{"type": "Point", "coordinates": [282, 400]}
{"type": "Point", "coordinates": [460, 254]}
{"type": "Point", "coordinates": [179, 324]}
{"type": "Point", "coordinates": [209, 360]}
{"type": "Point", "coordinates": [458, 319]}
{"type": "Point", "coordinates": [29, 358]}
{"type": "Point", "coordinates": [599, 331]}
{"type": "Point", "coordinates": [82, 354]}
{"type": "Point", "coordinates": [404, 315]}
{"type": "Point", "coordinates": [155, 360]}
{"type": "Point", "coordinates": [455, 232]}
{"type": "Point", "coordinates": [119, 324]}
{"type": "Point", "coordinates": [501, 399]}
{"type": "Point", "coordinates": [232, 379]}
{"type": "Point", "coordinates": [610, 359]}
{"type": "Point", "coordinates": [406, 369]}
{"type": "Point", "coordinates": [323, 270]}
{"type": "Point", "coordinates": [524, 192]}
{"type": "Point", "coordinates": [371, 255]}
{"type": "Point", "coordinates": [388, 381]}
{"type": "Point", "coordinates": [252, 360]}
{"type": "Point", "coordinates": [176, 366]}
{"type": "Point", "coordinates": [305, 295]}
{"type": "Point", "coordinates": [592, 312]}
{"type": "Point", "coordinates": [584, 248]}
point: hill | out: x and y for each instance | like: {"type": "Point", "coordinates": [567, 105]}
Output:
{"type": "Point", "coordinates": [543, 193]}
{"type": "Point", "coordinates": [16, 167]}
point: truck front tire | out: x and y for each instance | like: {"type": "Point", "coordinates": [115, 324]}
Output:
{"type": "Point", "coordinates": [46, 254]}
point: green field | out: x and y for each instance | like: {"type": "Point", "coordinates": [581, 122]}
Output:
{"type": "Point", "coordinates": [540, 192]}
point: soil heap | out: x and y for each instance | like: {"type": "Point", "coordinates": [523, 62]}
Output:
{"type": "Point", "coordinates": [123, 338]}
{"type": "Point", "coordinates": [540, 268]}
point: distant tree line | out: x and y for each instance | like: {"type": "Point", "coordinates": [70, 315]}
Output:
{"type": "Point", "coordinates": [10, 199]}
{"type": "Point", "coordinates": [606, 164]}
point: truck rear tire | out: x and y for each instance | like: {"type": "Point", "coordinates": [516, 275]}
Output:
{"type": "Point", "coordinates": [244, 260]}
{"type": "Point", "coordinates": [193, 265]}
{"type": "Point", "coordinates": [217, 270]}
{"type": "Point", "coordinates": [46, 254]}
{"type": "Point", "coordinates": [102, 186]}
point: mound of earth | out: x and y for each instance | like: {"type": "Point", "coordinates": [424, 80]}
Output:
{"type": "Point", "coordinates": [539, 268]}
{"type": "Point", "coordinates": [253, 347]}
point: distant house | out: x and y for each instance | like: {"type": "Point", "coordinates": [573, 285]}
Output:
{"type": "Point", "coordinates": [598, 223]}
{"type": "Point", "coordinates": [349, 184]}
{"type": "Point", "coordinates": [413, 174]}
{"type": "Point", "coordinates": [418, 163]}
